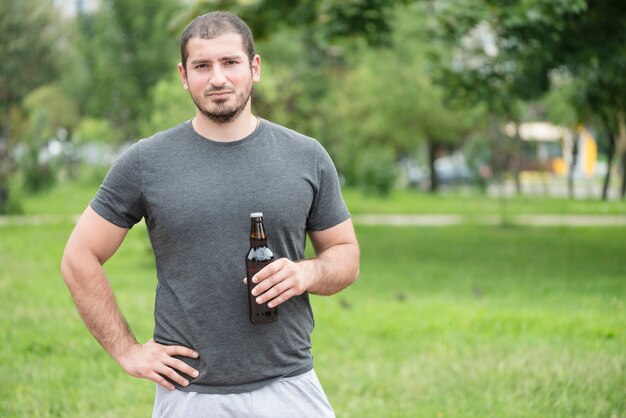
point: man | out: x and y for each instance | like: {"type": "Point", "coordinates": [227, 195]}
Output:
{"type": "Point", "coordinates": [196, 185]}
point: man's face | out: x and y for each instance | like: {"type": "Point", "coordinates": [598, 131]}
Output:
{"type": "Point", "coordinates": [219, 76]}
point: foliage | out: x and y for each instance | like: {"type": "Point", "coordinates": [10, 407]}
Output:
{"type": "Point", "coordinates": [37, 173]}
{"type": "Point", "coordinates": [390, 97]}
{"type": "Point", "coordinates": [376, 170]}
{"type": "Point", "coordinates": [290, 93]}
{"type": "Point", "coordinates": [51, 115]}
{"type": "Point", "coordinates": [324, 20]}
{"type": "Point", "coordinates": [92, 130]}
{"type": "Point", "coordinates": [559, 103]}
{"type": "Point", "coordinates": [124, 48]}
{"type": "Point", "coordinates": [412, 76]}
{"type": "Point", "coordinates": [57, 109]}
{"type": "Point", "coordinates": [521, 44]}
{"type": "Point", "coordinates": [171, 105]}
{"type": "Point", "coordinates": [503, 48]}
{"type": "Point", "coordinates": [30, 51]}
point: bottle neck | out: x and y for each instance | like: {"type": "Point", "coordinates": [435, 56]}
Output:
{"type": "Point", "coordinates": [257, 233]}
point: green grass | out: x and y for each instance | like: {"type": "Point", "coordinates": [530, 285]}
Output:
{"type": "Point", "coordinates": [415, 202]}
{"type": "Point", "coordinates": [479, 322]}
{"type": "Point", "coordinates": [463, 321]}
{"type": "Point", "coordinates": [67, 197]}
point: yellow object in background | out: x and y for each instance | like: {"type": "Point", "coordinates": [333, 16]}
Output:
{"type": "Point", "coordinates": [589, 154]}
{"type": "Point", "coordinates": [559, 167]}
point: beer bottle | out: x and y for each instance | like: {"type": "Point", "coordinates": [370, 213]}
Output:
{"type": "Point", "coordinates": [258, 257]}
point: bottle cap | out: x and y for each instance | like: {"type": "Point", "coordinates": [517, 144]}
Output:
{"type": "Point", "coordinates": [256, 215]}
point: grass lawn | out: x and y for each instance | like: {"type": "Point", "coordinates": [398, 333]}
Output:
{"type": "Point", "coordinates": [415, 202]}
{"type": "Point", "coordinates": [463, 321]}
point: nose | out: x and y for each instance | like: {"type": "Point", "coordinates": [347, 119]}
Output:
{"type": "Point", "coordinates": [218, 78]}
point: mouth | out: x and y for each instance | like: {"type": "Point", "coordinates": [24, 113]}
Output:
{"type": "Point", "coordinates": [218, 94]}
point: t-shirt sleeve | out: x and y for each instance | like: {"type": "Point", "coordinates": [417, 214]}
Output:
{"type": "Point", "coordinates": [119, 199]}
{"type": "Point", "coordinates": [328, 208]}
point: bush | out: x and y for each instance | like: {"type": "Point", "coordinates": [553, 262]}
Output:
{"type": "Point", "coordinates": [10, 199]}
{"type": "Point", "coordinates": [376, 170]}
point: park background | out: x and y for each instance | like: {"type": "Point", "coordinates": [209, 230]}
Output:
{"type": "Point", "coordinates": [481, 146]}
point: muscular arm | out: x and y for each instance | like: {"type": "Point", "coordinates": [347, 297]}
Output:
{"type": "Point", "coordinates": [93, 241]}
{"type": "Point", "coordinates": [91, 244]}
{"type": "Point", "coordinates": [335, 267]}
{"type": "Point", "coordinates": [337, 263]}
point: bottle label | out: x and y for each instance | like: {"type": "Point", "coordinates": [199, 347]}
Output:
{"type": "Point", "coordinates": [259, 313]}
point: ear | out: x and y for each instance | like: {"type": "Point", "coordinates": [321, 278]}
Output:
{"type": "Point", "coordinates": [256, 68]}
{"type": "Point", "coordinates": [183, 76]}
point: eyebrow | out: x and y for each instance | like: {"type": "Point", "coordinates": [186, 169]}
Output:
{"type": "Point", "coordinates": [225, 58]}
{"type": "Point", "coordinates": [232, 57]}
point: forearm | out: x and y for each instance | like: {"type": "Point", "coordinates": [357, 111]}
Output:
{"type": "Point", "coordinates": [96, 303]}
{"type": "Point", "coordinates": [332, 270]}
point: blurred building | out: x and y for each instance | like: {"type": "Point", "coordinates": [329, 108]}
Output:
{"type": "Point", "coordinates": [556, 149]}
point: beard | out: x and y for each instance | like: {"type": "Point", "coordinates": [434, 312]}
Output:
{"type": "Point", "coordinates": [219, 111]}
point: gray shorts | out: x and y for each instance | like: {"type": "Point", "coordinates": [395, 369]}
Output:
{"type": "Point", "coordinates": [299, 396]}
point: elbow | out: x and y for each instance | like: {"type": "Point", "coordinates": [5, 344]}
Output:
{"type": "Point", "coordinates": [72, 264]}
{"type": "Point", "coordinates": [355, 276]}
{"type": "Point", "coordinates": [357, 267]}
{"type": "Point", "coordinates": [66, 267]}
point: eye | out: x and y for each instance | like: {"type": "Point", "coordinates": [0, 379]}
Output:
{"type": "Point", "coordinates": [232, 62]}
{"type": "Point", "coordinates": [201, 66]}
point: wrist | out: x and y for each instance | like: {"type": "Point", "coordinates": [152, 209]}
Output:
{"type": "Point", "coordinates": [310, 273]}
{"type": "Point", "coordinates": [122, 352]}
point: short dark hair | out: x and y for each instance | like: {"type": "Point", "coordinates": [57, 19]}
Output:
{"type": "Point", "coordinates": [212, 25]}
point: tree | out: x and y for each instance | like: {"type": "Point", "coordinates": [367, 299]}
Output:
{"type": "Point", "coordinates": [534, 38]}
{"type": "Point", "coordinates": [171, 105]}
{"type": "Point", "coordinates": [51, 115]}
{"type": "Point", "coordinates": [560, 111]}
{"type": "Point", "coordinates": [492, 70]}
{"type": "Point", "coordinates": [30, 51]}
{"type": "Point", "coordinates": [323, 20]}
{"type": "Point", "coordinates": [390, 98]}
{"type": "Point", "coordinates": [125, 48]}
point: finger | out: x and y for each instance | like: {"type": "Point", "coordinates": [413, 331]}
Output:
{"type": "Point", "coordinates": [283, 297]}
{"type": "Point", "coordinates": [160, 380]}
{"type": "Point", "coordinates": [180, 365]}
{"type": "Point", "coordinates": [245, 280]}
{"type": "Point", "coordinates": [273, 292]}
{"type": "Point", "coordinates": [270, 282]}
{"type": "Point", "coordinates": [179, 350]}
{"type": "Point", "coordinates": [278, 300]}
{"type": "Point", "coordinates": [269, 270]}
{"type": "Point", "coordinates": [172, 375]}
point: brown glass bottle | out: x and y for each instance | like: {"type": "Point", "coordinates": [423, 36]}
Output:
{"type": "Point", "coordinates": [258, 257]}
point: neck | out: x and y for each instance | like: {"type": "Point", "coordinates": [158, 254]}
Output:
{"type": "Point", "coordinates": [240, 127]}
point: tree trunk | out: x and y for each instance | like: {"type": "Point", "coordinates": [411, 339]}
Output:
{"type": "Point", "coordinates": [623, 189]}
{"type": "Point", "coordinates": [611, 155]}
{"type": "Point", "coordinates": [622, 149]}
{"type": "Point", "coordinates": [607, 177]}
{"type": "Point", "coordinates": [517, 159]}
{"type": "Point", "coordinates": [433, 147]}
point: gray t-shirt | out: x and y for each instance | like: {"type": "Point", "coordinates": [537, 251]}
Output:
{"type": "Point", "coordinates": [196, 196]}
